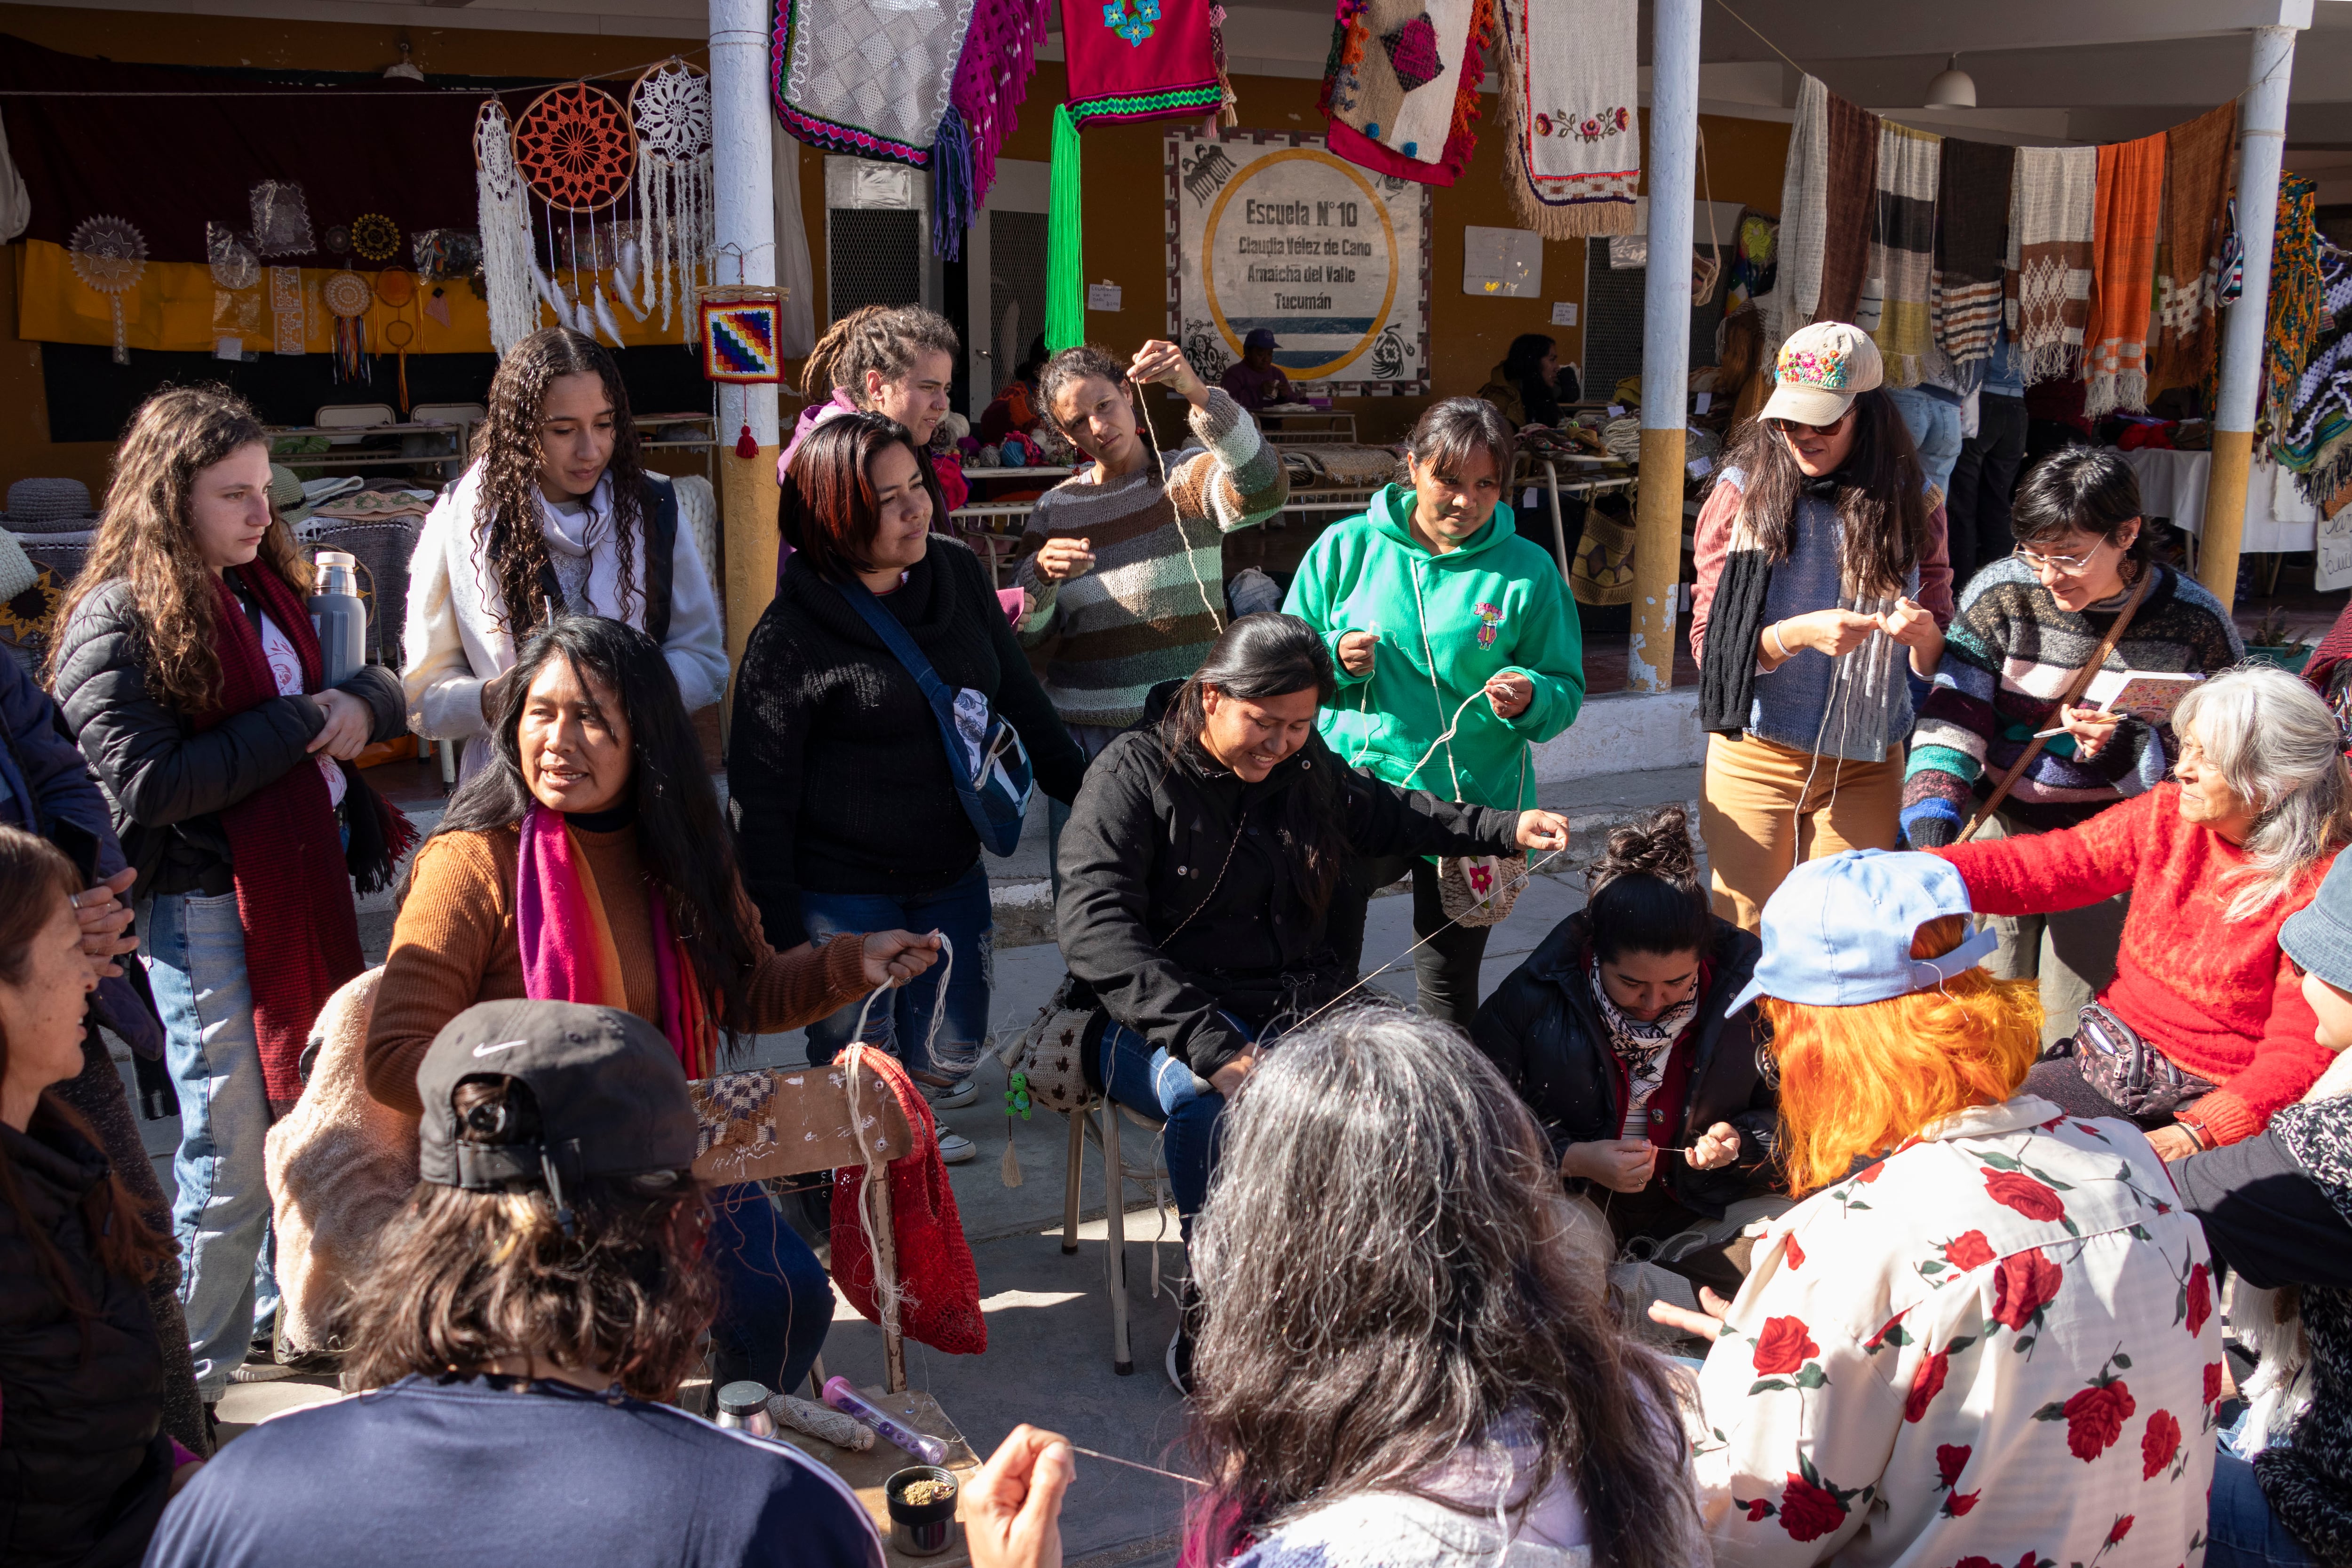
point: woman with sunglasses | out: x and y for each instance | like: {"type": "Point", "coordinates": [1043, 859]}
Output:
{"type": "Point", "coordinates": [1823, 587]}
{"type": "Point", "coordinates": [2025, 625]}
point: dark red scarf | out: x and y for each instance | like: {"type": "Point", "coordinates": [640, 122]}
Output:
{"type": "Point", "coordinates": [293, 889]}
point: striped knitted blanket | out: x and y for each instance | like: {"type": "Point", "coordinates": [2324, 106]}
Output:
{"type": "Point", "coordinates": [2008, 658]}
{"type": "Point", "coordinates": [1901, 246]}
{"type": "Point", "coordinates": [1971, 229]}
{"type": "Point", "coordinates": [2052, 202]}
{"type": "Point", "coordinates": [1156, 597]}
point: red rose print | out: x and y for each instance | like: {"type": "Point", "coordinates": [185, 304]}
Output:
{"type": "Point", "coordinates": [1959, 1503]}
{"type": "Point", "coordinates": [2022, 1193]}
{"type": "Point", "coordinates": [1784, 1347]}
{"type": "Point", "coordinates": [1978, 1562]}
{"type": "Point", "coordinates": [2096, 1418]}
{"type": "Point", "coordinates": [1807, 1511]}
{"type": "Point", "coordinates": [1928, 1383]}
{"type": "Point", "coordinates": [1759, 1509]}
{"type": "Point", "coordinates": [2212, 1382]}
{"type": "Point", "coordinates": [2025, 1283]}
{"type": "Point", "coordinates": [2158, 1443]}
{"type": "Point", "coordinates": [1968, 1250]}
{"type": "Point", "coordinates": [1873, 1172]}
{"type": "Point", "coordinates": [1951, 1459]}
{"type": "Point", "coordinates": [1796, 1254]}
{"type": "Point", "coordinates": [2200, 1297]}
{"type": "Point", "coordinates": [2122, 1527]}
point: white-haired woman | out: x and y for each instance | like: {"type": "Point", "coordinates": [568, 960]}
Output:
{"type": "Point", "coordinates": [2203, 1032]}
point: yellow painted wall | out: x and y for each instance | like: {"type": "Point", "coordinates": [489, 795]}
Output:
{"type": "Point", "coordinates": [1125, 219]}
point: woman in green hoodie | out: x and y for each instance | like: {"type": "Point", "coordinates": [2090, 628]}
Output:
{"type": "Point", "coordinates": [1456, 648]}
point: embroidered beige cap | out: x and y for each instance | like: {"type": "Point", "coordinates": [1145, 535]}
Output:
{"type": "Point", "coordinates": [1820, 370]}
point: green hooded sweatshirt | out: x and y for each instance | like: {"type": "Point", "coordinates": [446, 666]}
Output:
{"type": "Point", "coordinates": [1497, 604]}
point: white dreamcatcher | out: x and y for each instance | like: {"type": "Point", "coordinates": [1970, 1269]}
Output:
{"type": "Point", "coordinates": [677, 226]}
{"type": "Point", "coordinates": [510, 275]}
{"type": "Point", "coordinates": [109, 255]}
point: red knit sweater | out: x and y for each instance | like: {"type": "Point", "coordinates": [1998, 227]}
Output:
{"type": "Point", "coordinates": [2215, 995]}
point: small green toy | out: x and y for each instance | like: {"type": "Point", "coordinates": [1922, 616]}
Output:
{"type": "Point", "coordinates": [1017, 1098]}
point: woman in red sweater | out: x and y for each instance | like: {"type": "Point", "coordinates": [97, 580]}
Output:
{"type": "Point", "coordinates": [2214, 860]}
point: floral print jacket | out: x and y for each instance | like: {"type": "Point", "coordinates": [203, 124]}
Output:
{"type": "Point", "coordinates": [1995, 1349]}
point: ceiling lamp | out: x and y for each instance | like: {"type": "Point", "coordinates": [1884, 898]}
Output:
{"type": "Point", "coordinates": [407, 69]}
{"type": "Point", "coordinates": [1952, 89]}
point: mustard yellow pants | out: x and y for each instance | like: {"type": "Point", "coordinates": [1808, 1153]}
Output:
{"type": "Point", "coordinates": [1765, 806]}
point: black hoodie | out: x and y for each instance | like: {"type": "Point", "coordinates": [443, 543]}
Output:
{"type": "Point", "coordinates": [1154, 846]}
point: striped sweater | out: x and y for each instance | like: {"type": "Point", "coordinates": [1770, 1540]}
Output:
{"type": "Point", "coordinates": [2009, 656]}
{"type": "Point", "coordinates": [1152, 603]}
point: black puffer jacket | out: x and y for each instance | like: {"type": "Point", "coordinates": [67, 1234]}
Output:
{"type": "Point", "coordinates": [165, 781]}
{"type": "Point", "coordinates": [84, 1464]}
{"type": "Point", "coordinates": [1543, 1029]}
{"type": "Point", "coordinates": [1141, 855]}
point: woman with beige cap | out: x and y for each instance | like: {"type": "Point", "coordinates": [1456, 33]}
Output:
{"type": "Point", "coordinates": [1823, 586]}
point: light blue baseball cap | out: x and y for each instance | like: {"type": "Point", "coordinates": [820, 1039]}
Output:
{"type": "Point", "coordinates": [1838, 932]}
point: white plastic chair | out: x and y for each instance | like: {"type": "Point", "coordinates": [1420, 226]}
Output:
{"type": "Point", "coordinates": [352, 416]}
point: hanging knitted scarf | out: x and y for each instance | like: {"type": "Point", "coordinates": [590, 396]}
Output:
{"type": "Point", "coordinates": [2053, 203]}
{"type": "Point", "coordinates": [1400, 88]}
{"type": "Point", "coordinates": [1902, 247]}
{"type": "Point", "coordinates": [2196, 192]}
{"type": "Point", "coordinates": [2295, 324]}
{"type": "Point", "coordinates": [1804, 219]}
{"type": "Point", "coordinates": [992, 77]}
{"type": "Point", "coordinates": [1971, 225]}
{"type": "Point", "coordinates": [1642, 1047]}
{"type": "Point", "coordinates": [286, 848]}
{"type": "Point", "coordinates": [1570, 85]}
{"type": "Point", "coordinates": [869, 78]}
{"type": "Point", "coordinates": [568, 952]}
{"type": "Point", "coordinates": [2123, 251]}
{"type": "Point", "coordinates": [1139, 59]}
{"type": "Point", "coordinates": [1853, 208]}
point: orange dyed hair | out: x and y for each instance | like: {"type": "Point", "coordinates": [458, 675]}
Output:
{"type": "Point", "coordinates": [1859, 1080]}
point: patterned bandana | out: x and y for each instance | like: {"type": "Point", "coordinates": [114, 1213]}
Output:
{"type": "Point", "coordinates": [1642, 1047]}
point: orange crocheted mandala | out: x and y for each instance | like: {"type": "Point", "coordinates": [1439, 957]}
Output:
{"type": "Point", "coordinates": [575, 148]}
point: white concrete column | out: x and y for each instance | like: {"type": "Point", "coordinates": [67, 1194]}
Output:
{"type": "Point", "coordinates": [2262, 142]}
{"type": "Point", "coordinates": [1672, 167]}
{"type": "Point", "coordinates": [744, 193]}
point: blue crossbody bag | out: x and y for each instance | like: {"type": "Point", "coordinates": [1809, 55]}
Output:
{"type": "Point", "coordinates": [986, 756]}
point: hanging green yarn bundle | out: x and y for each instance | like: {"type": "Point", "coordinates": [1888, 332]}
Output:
{"type": "Point", "coordinates": [1066, 263]}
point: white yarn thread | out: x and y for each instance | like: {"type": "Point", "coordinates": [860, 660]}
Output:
{"type": "Point", "coordinates": [960, 1063]}
{"type": "Point", "coordinates": [503, 208]}
{"type": "Point", "coordinates": [888, 1292]}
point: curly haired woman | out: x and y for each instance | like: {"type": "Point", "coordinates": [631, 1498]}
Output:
{"type": "Point", "coordinates": [556, 512]}
{"type": "Point", "coordinates": [189, 671]}
{"type": "Point", "coordinates": [1987, 1334]}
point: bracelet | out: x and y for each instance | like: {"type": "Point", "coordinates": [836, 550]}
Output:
{"type": "Point", "coordinates": [2196, 1129]}
{"type": "Point", "coordinates": [1773, 632]}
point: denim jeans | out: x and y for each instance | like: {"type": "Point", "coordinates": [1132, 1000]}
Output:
{"type": "Point", "coordinates": [774, 1304]}
{"type": "Point", "coordinates": [2242, 1530]}
{"type": "Point", "coordinates": [220, 1216]}
{"type": "Point", "coordinates": [901, 1020]}
{"type": "Point", "coordinates": [1145, 1078]}
{"type": "Point", "coordinates": [1935, 427]}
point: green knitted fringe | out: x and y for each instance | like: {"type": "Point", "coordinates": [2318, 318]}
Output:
{"type": "Point", "coordinates": [1066, 263]}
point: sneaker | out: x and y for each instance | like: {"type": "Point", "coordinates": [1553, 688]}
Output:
{"type": "Point", "coordinates": [1179, 1360]}
{"type": "Point", "coordinates": [955, 1148]}
{"type": "Point", "coordinates": [961, 1093]}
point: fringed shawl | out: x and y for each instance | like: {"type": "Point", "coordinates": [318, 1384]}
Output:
{"type": "Point", "coordinates": [1569, 81]}
{"type": "Point", "coordinates": [2196, 202]}
{"type": "Point", "coordinates": [1901, 246]}
{"type": "Point", "coordinates": [2123, 249]}
{"type": "Point", "coordinates": [2053, 203]}
{"type": "Point", "coordinates": [1853, 209]}
{"type": "Point", "coordinates": [1400, 88]}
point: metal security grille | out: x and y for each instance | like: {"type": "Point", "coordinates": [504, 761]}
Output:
{"type": "Point", "coordinates": [1612, 322]}
{"type": "Point", "coordinates": [1016, 287]}
{"type": "Point", "coordinates": [873, 258]}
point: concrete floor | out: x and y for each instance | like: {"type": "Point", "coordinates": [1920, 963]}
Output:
{"type": "Point", "coordinates": [1049, 1355]}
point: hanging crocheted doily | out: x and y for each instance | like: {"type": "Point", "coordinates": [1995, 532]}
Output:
{"type": "Point", "coordinates": [282, 219]}
{"type": "Point", "coordinates": [109, 255]}
{"type": "Point", "coordinates": [375, 236]}
{"type": "Point", "coordinates": [574, 148]}
{"type": "Point", "coordinates": [346, 294]}
{"type": "Point", "coordinates": [670, 107]}
{"type": "Point", "coordinates": [337, 240]}
{"type": "Point", "coordinates": [234, 264]}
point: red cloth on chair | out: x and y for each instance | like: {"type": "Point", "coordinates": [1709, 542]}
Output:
{"type": "Point", "coordinates": [939, 1290]}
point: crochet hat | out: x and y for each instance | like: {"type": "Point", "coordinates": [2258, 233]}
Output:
{"type": "Point", "coordinates": [285, 497]}
{"type": "Point", "coordinates": [1820, 371]}
{"type": "Point", "coordinates": [2319, 936]}
{"type": "Point", "coordinates": [609, 1094]}
{"type": "Point", "coordinates": [1838, 932]}
{"type": "Point", "coordinates": [48, 506]}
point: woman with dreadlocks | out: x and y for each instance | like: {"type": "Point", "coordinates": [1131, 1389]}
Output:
{"type": "Point", "coordinates": [556, 512]}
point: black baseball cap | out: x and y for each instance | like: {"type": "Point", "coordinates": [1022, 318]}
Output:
{"type": "Point", "coordinates": [610, 1097]}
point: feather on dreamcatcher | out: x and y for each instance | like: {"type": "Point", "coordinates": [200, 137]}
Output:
{"type": "Point", "coordinates": [669, 107]}
{"type": "Point", "coordinates": [347, 296]}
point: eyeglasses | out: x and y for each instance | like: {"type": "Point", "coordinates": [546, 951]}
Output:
{"type": "Point", "coordinates": [2299, 969]}
{"type": "Point", "coordinates": [1799, 427]}
{"type": "Point", "coordinates": [2069, 564]}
